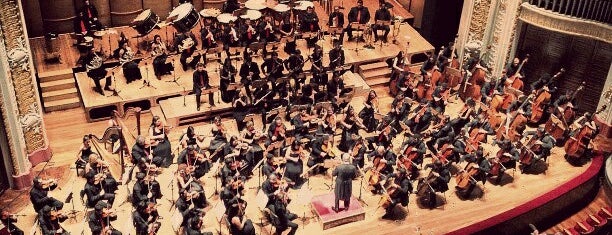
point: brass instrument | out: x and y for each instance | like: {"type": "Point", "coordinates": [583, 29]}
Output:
{"type": "Point", "coordinates": [127, 56]}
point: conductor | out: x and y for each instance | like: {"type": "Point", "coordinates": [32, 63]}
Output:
{"type": "Point", "coordinates": [345, 173]}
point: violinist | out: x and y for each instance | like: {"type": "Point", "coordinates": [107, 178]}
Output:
{"type": "Point", "coordinates": [438, 180]}
{"type": "Point", "coordinates": [193, 223]}
{"type": "Point", "coordinates": [278, 207]}
{"type": "Point", "coordinates": [142, 155]}
{"type": "Point", "coordinates": [273, 186]}
{"type": "Point", "coordinates": [240, 225]}
{"type": "Point", "coordinates": [191, 138]}
{"type": "Point", "coordinates": [49, 221]}
{"type": "Point", "coordinates": [98, 169]}
{"type": "Point", "coordinates": [191, 197]}
{"type": "Point", "coordinates": [39, 194]}
{"type": "Point", "coordinates": [158, 132]}
{"type": "Point", "coordinates": [235, 164]}
{"type": "Point", "coordinates": [302, 122]}
{"type": "Point", "coordinates": [99, 220]}
{"type": "Point", "coordinates": [276, 131]}
{"type": "Point", "coordinates": [270, 166]}
{"type": "Point", "coordinates": [96, 193]}
{"type": "Point", "coordinates": [8, 220]}
{"type": "Point", "coordinates": [145, 218]}
{"type": "Point", "coordinates": [328, 123]}
{"type": "Point", "coordinates": [350, 125]}
{"type": "Point", "coordinates": [231, 195]}
{"type": "Point", "coordinates": [146, 189]}
{"type": "Point", "coordinates": [219, 133]}
{"type": "Point", "coordinates": [198, 161]}
{"type": "Point", "coordinates": [345, 174]}
{"type": "Point", "coordinates": [253, 138]}
{"type": "Point", "coordinates": [321, 148]}
{"type": "Point", "coordinates": [482, 165]}
{"type": "Point", "coordinates": [369, 109]}
{"type": "Point", "coordinates": [399, 108]}
{"type": "Point", "coordinates": [294, 166]}
{"type": "Point", "coordinates": [358, 151]}
{"type": "Point", "coordinates": [398, 192]}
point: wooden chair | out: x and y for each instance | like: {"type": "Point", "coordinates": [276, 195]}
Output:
{"type": "Point", "coordinates": [584, 228]}
{"type": "Point", "coordinates": [605, 212]}
{"type": "Point", "coordinates": [596, 221]}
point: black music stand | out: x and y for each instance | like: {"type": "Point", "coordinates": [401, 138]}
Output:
{"type": "Point", "coordinates": [174, 78]}
{"type": "Point", "coordinates": [115, 91]}
{"type": "Point", "coordinates": [146, 82]}
{"type": "Point", "coordinates": [383, 23]}
{"type": "Point", "coordinates": [360, 28]}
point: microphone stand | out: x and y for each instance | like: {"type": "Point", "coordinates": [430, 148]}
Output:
{"type": "Point", "coordinates": [115, 91]}
{"type": "Point", "coordinates": [146, 82]}
{"type": "Point", "coordinates": [175, 80]}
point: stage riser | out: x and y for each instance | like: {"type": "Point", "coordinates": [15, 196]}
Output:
{"type": "Point", "coordinates": [60, 95]}
{"type": "Point", "coordinates": [57, 85]}
{"type": "Point", "coordinates": [62, 104]}
{"type": "Point", "coordinates": [350, 219]}
{"type": "Point", "coordinates": [55, 75]}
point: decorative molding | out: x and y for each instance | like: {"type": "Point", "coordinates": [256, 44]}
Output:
{"type": "Point", "coordinates": [565, 24]}
{"type": "Point", "coordinates": [479, 19]}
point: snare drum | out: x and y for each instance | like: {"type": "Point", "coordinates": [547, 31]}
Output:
{"type": "Point", "coordinates": [184, 17]}
{"type": "Point", "coordinates": [145, 22]}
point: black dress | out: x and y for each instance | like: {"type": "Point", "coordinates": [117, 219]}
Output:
{"type": "Point", "coordinates": [294, 170]}
{"type": "Point", "coordinates": [163, 149]}
{"type": "Point", "coordinates": [367, 116]}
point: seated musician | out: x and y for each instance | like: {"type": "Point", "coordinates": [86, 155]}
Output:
{"type": "Point", "coordinates": [278, 207]}
{"type": "Point", "coordinates": [388, 158]}
{"type": "Point", "coordinates": [143, 157]}
{"type": "Point", "coordinates": [49, 220]}
{"type": "Point", "coordinates": [90, 15]}
{"type": "Point", "coordinates": [232, 164]}
{"type": "Point", "coordinates": [130, 68]}
{"type": "Point", "coordinates": [96, 193]}
{"type": "Point", "coordinates": [159, 51]}
{"type": "Point", "coordinates": [99, 220]}
{"type": "Point", "coordinates": [319, 153]}
{"type": "Point", "coordinates": [232, 195]}
{"type": "Point", "coordinates": [187, 45]}
{"type": "Point", "coordinates": [8, 220]}
{"type": "Point", "coordinates": [401, 187]}
{"type": "Point", "coordinates": [336, 56]}
{"type": "Point", "coordinates": [358, 151]}
{"type": "Point", "coordinates": [231, 36]}
{"type": "Point", "coordinates": [84, 152]}
{"type": "Point", "coordinates": [294, 166]}
{"type": "Point", "coordinates": [248, 33]}
{"type": "Point", "coordinates": [506, 156]}
{"type": "Point", "coordinates": [193, 157]}
{"type": "Point", "coordinates": [39, 194]}
{"type": "Point", "coordinates": [93, 63]}
{"type": "Point", "coordinates": [350, 126]}
{"type": "Point", "coordinates": [98, 168]}
{"type": "Point", "coordinates": [512, 68]}
{"type": "Point", "coordinates": [309, 23]}
{"type": "Point", "coordinates": [370, 107]}
{"type": "Point", "coordinates": [562, 102]}
{"type": "Point", "coordinates": [240, 225]}
{"type": "Point", "coordinates": [420, 122]}
{"type": "Point", "coordinates": [473, 62]}
{"type": "Point", "coordinates": [158, 132]}
{"type": "Point", "coordinates": [287, 31]}
{"type": "Point", "coordinates": [265, 29]}
{"type": "Point", "coordinates": [201, 82]}
{"type": "Point", "coordinates": [399, 108]}
{"type": "Point", "coordinates": [192, 197]}
{"type": "Point", "coordinates": [541, 146]}
{"type": "Point", "coordinates": [273, 69]}
{"type": "Point", "coordinates": [336, 18]}
{"type": "Point", "coordinates": [190, 137]}
{"type": "Point", "coordinates": [146, 189]}
{"type": "Point", "coordinates": [249, 71]}
{"type": "Point", "coordinates": [455, 143]}
{"type": "Point", "coordinates": [219, 133]}
{"type": "Point", "coordinates": [328, 121]}
{"type": "Point", "coordinates": [446, 57]}
{"type": "Point", "coordinates": [441, 176]}
{"type": "Point", "coordinates": [145, 218]}
{"type": "Point", "coordinates": [207, 34]}
{"type": "Point", "coordinates": [357, 15]}
{"type": "Point", "coordinates": [415, 144]}
{"type": "Point", "coordinates": [302, 123]}
{"type": "Point", "coordinates": [385, 132]}
{"type": "Point", "coordinates": [444, 128]}
{"type": "Point", "coordinates": [193, 222]}
{"type": "Point", "coordinates": [276, 132]}
{"type": "Point", "coordinates": [295, 65]}
{"type": "Point", "coordinates": [228, 76]}
{"type": "Point", "coordinates": [487, 90]}
{"type": "Point", "coordinates": [319, 76]}
{"type": "Point", "coordinates": [382, 14]}
{"type": "Point", "coordinates": [544, 81]}
{"type": "Point", "coordinates": [482, 164]}
{"type": "Point", "coordinates": [481, 122]}
{"type": "Point", "coordinates": [396, 64]}
{"type": "Point", "coordinates": [428, 65]}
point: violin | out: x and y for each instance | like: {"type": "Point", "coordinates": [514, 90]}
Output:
{"type": "Point", "coordinates": [57, 214]}
{"type": "Point", "coordinates": [45, 184]}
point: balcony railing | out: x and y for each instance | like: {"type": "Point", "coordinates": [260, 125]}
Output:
{"type": "Point", "coordinates": [596, 10]}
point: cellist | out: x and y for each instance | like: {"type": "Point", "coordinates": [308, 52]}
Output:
{"type": "Point", "coordinates": [438, 180]}
{"type": "Point", "coordinates": [482, 166]}
{"type": "Point", "coordinates": [506, 158]}
{"type": "Point", "coordinates": [413, 150]}
{"type": "Point", "coordinates": [387, 158]}
{"type": "Point", "coordinates": [398, 192]}
{"type": "Point", "coordinates": [540, 143]}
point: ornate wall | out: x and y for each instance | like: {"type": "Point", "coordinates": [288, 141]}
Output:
{"type": "Point", "coordinates": [19, 103]}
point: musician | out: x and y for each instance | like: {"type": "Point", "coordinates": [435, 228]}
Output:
{"type": "Point", "coordinates": [428, 65]}
{"type": "Point", "coordinates": [201, 82]}
{"type": "Point", "coordinates": [145, 218]}
{"type": "Point", "coordinates": [39, 194]}
{"type": "Point", "coordinates": [146, 189]}
{"type": "Point", "coordinates": [443, 131]}
{"type": "Point", "coordinates": [93, 63]}
{"type": "Point", "coordinates": [248, 33]}
{"type": "Point", "coordinates": [483, 166]}
{"type": "Point", "coordinates": [441, 176]}
{"type": "Point", "coordinates": [542, 145]}
{"type": "Point", "coordinates": [388, 158]}
{"type": "Point", "coordinates": [240, 225]}
{"type": "Point", "coordinates": [82, 26]}
{"type": "Point", "coordinates": [401, 187]}
{"type": "Point", "coordinates": [99, 168]}
{"type": "Point", "coordinates": [232, 37]}
{"type": "Point", "coordinates": [420, 122]}
{"type": "Point", "coordinates": [231, 168]}
{"type": "Point", "coordinates": [336, 56]}
{"type": "Point", "coordinates": [159, 51]}
{"type": "Point", "coordinates": [396, 64]}
{"type": "Point", "coordinates": [190, 198]}
{"type": "Point", "coordinates": [473, 62]}
{"type": "Point", "coordinates": [273, 69]}
{"type": "Point", "coordinates": [287, 31]}
{"type": "Point", "coordinates": [230, 6]}
{"type": "Point", "coordinates": [328, 123]}
{"type": "Point", "coordinates": [562, 102]}
{"type": "Point", "coordinates": [415, 143]}
{"type": "Point", "coordinates": [187, 45]}
{"type": "Point", "coordinates": [232, 195]}
{"type": "Point", "coordinates": [240, 105]}
{"type": "Point", "coordinates": [84, 152]}
{"type": "Point", "coordinates": [301, 122]}
{"type": "Point", "coordinates": [295, 65]}
{"type": "Point", "coordinates": [8, 220]}
{"type": "Point", "coordinates": [385, 133]}
{"type": "Point", "coordinates": [265, 29]}
{"type": "Point", "coordinates": [99, 220]}
{"type": "Point", "coordinates": [276, 131]}
{"type": "Point", "coordinates": [350, 125]}
{"type": "Point", "coordinates": [309, 23]}
{"type": "Point", "coordinates": [586, 120]}
{"type": "Point", "coordinates": [544, 81]}
{"type": "Point", "coordinates": [382, 14]}
{"type": "Point", "coordinates": [512, 68]}
{"type": "Point", "coordinates": [358, 151]}
{"type": "Point", "coordinates": [447, 56]}
{"type": "Point", "coordinates": [207, 34]}
{"type": "Point", "coordinates": [369, 109]}
{"type": "Point", "coordinates": [193, 225]}
{"type": "Point", "coordinates": [95, 192]}
{"type": "Point", "coordinates": [49, 220]}
{"type": "Point", "coordinates": [142, 155]}
{"type": "Point", "coordinates": [357, 15]}
{"type": "Point", "coordinates": [198, 160]}
{"type": "Point", "coordinates": [90, 14]}
{"type": "Point", "coordinates": [345, 174]}
{"type": "Point", "coordinates": [319, 153]}
{"type": "Point", "coordinates": [190, 138]}
{"type": "Point", "coordinates": [130, 68]}
{"type": "Point", "coordinates": [480, 121]}
{"type": "Point", "coordinates": [278, 206]}
{"type": "Point", "coordinates": [319, 77]}
{"type": "Point", "coordinates": [488, 88]}
{"type": "Point", "coordinates": [507, 155]}
{"type": "Point", "coordinates": [158, 133]}
{"type": "Point", "coordinates": [336, 18]}
{"type": "Point", "coordinates": [399, 108]}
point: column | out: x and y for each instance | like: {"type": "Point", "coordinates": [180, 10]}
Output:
{"type": "Point", "coordinates": [20, 103]}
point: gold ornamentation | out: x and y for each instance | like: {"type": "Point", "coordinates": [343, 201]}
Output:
{"type": "Point", "coordinates": [478, 23]}
{"type": "Point", "coordinates": [565, 24]}
{"type": "Point", "coordinates": [25, 89]}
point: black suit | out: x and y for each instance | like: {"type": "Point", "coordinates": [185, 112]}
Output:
{"type": "Point", "coordinates": [384, 15]}
{"type": "Point", "coordinates": [141, 222]}
{"type": "Point", "coordinates": [39, 198]}
{"type": "Point", "coordinates": [201, 82]}
{"type": "Point", "coordinates": [339, 16]}
{"type": "Point", "coordinates": [93, 195]}
{"type": "Point", "coordinates": [345, 173]}
{"type": "Point", "coordinates": [360, 15]}
{"type": "Point", "coordinates": [97, 223]}
{"type": "Point", "coordinates": [279, 208]}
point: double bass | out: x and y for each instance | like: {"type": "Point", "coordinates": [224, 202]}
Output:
{"type": "Point", "coordinates": [576, 145]}
{"type": "Point", "coordinates": [542, 100]}
{"type": "Point", "coordinates": [513, 123]}
{"type": "Point", "coordinates": [452, 75]}
{"type": "Point", "coordinates": [515, 81]}
{"type": "Point", "coordinates": [568, 111]}
{"type": "Point", "coordinates": [471, 87]}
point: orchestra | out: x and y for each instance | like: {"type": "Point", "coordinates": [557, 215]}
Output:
{"type": "Point", "coordinates": [309, 126]}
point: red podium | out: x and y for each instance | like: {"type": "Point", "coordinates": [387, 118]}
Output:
{"type": "Point", "coordinates": [323, 204]}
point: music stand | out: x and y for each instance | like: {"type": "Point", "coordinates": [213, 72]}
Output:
{"type": "Point", "coordinates": [361, 28]}
{"type": "Point", "coordinates": [115, 91]}
{"type": "Point", "coordinates": [146, 82]}
{"type": "Point", "coordinates": [174, 78]}
{"type": "Point", "coordinates": [234, 86]}
{"type": "Point", "coordinates": [261, 84]}
{"type": "Point", "coordinates": [256, 46]}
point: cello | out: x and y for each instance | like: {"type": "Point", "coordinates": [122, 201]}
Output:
{"type": "Point", "coordinates": [373, 175]}
{"type": "Point", "coordinates": [576, 145]}
{"type": "Point", "coordinates": [466, 177]}
{"type": "Point", "coordinates": [515, 81]}
{"type": "Point", "coordinates": [513, 123]}
{"type": "Point", "coordinates": [542, 100]}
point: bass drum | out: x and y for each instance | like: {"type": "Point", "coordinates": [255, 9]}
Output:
{"type": "Point", "coordinates": [184, 17]}
{"type": "Point", "coordinates": [145, 22]}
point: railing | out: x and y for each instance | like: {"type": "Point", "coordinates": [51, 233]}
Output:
{"type": "Point", "coordinates": [596, 10]}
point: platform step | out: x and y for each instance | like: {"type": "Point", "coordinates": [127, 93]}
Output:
{"type": "Point", "coordinates": [55, 75]}
{"type": "Point", "coordinates": [60, 94]}
{"type": "Point", "coordinates": [373, 66]}
{"type": "Point", "coordinates": [380, 81]}
{"type": "Point", "coordinates": [375, 74]}
{"type": "Point", "coordinates": [61, 84]}
{"type": "Point", "coordinates": [62, 104]}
